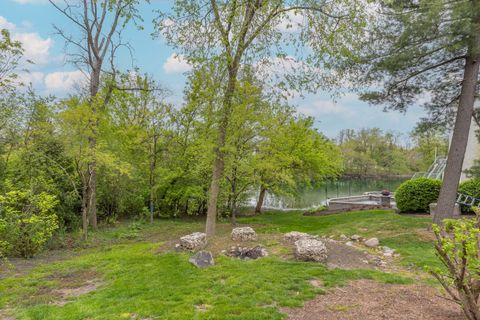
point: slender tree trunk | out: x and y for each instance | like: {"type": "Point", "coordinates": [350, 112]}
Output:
{"type": "Point", "coordinates": [92, 194]}
{"type": "Point", "coordinates": [219, 163]}
{"type": "Point", "coordinates": [233, 198]}
{"type": "Point", "coordinates": [153, 164]}
{"type": "Point", "coordinates": [234, 212]}
{"type": "Point", "coordinates": [85, 211]}
{"type": "Point", "coordinates": [261, 197]}
{"type": "Point", "coordinates": [458, 146]}
{"type": "Point", "coordinates": [92, 165]}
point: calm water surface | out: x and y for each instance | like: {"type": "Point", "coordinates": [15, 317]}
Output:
{"type": "Point", "coordinates": [333, 189]}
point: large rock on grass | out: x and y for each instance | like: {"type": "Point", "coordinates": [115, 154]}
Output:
{"type": "Point", "coordinates": [244, 234]}
{"type": "Point", "coordinates": [294, 236]}
{"type": "Point", "coordinates": [310, 250]}
{"type": "Point", "coordinates": [193, 242]}
{"type": "Point", "coordinates": [202, 259]}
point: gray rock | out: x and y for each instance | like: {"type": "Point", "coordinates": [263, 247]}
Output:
{"type": "Point", "coordinates": [388, 252]}
{"type": "Point", "coordinates": [355, 237]}
{"type": "Point", "coordinates": [310, 250]}
{"type": "Point", "coordinates": [202, 259]}
{"type": "Point", "coordinates": [372, 242]}
{"type": "Point", "coordinates": [244, 234]}
{"type": "Point", "coordinates": [349, 243]}
{"type": "Point", "coordinates": [193, 242]}
{"type": "Point", "coordinates": [294, 236]}
{"type": "Point", "coordinates": [247, 253]}
{"type": "Point", "coordinates": [343, 237]}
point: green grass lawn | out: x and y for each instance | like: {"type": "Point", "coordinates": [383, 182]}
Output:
{"type": "Point", "coordinates": [405, 233]}
{"type": "Point", "coordinates": [136, 281]}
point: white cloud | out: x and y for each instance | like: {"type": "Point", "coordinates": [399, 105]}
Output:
{"type": "Point", "coordinates": [31, 1]}
{"type": "Point", "coordinates": [4, 24]}
{"type": "Point", "coordinates": [176, 64]}
{"type": "Point", "coordinates": [36, 48]}
{"type": "Point", "coordinates": [325, 107]}
{"type": "Point", "coordinates": [64, 81]}
{"type": "Point", "coordinates": [34, 78]}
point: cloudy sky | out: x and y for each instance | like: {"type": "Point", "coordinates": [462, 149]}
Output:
{"type": "Point", "coordinates": [31, 22]}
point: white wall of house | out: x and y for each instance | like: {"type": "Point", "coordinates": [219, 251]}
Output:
{"type": "Point", "coordinates": [473, 147]}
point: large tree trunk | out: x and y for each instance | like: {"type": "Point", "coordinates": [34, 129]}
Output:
{"type": "Point", "coordinates": [458, 145]}
{"type": "Point", "coordinates": [261, 197]}
{"type": "Point", "coordinates": [219, 163]}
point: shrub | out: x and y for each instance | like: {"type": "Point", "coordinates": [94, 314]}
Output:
{"type": "Point", "coordinates": [416, 195]}
{"type": "Point", "coordinates": [28, 221]}
{"type": "Point", "coordinates": [470, 187]}
{"type": "Point", "coordinates": [457, 246]}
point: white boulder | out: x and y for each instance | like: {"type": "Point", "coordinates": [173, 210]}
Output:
{"type": "Point", "coordinates": [310, 250]}
{"type": "Point", "coordinates": [244, 234]}
{"type": "Point", "coordinates": [193, 242]}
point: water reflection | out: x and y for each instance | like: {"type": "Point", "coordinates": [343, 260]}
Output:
{"type": "Point", "coordinates": [331, 189]}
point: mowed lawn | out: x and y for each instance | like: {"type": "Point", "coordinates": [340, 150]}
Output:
{"type": "Point", "coordinates": [134, 278]}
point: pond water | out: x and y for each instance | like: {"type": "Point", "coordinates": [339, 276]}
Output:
{"type": "Point", "coordinates": [331, 189]}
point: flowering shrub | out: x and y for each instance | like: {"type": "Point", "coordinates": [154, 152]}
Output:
{"type": "Point", "coordinates": [27, 222]}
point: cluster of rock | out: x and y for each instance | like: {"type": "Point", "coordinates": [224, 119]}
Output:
{"type": "Point", "coordinates": [246, 253]}
{"type": "Point", "coordinates": [307, 247]}
{"type": "Point", "coordinates": [370, 243]}
{"type": "Point", "coordinates": [244, 234]}
{"type": "Point", "coordinates": [192, 242]}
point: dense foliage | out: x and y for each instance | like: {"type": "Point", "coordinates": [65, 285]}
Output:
{"type": "Point", "coordinates": [372, 152]}
{"type": "Point", "coordinates": [27, 222]}
{"type": "Point", "coordinates": [151, 156]}
{"type": "Point", "coordinates": [416, 195]}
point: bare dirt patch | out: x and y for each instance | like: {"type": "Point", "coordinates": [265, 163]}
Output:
{"type": "Point", "coordinates": [64, 287]}
{"type": "Point", "coordinates": [345, 257]}
{"type": "Point", "coordinates": [15, 267]}
{"type": "Point", "coordinates": [6, 315]}
{"type": "Point", "coordinates": [370, 300]}
{"type": "Point", "coordinates": [66, 294]}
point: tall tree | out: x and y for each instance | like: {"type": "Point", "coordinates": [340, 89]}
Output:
{"type": "Point", "coordinates": [10, 54]}
{"type": "Point", "coordinates": [233, 33]}
{"type": "Point", "coordinates": [427, 50]}
{"type": "Point", "coordinates": [100, 24]}
{"type": "Point", "coordinates": [292, 155]}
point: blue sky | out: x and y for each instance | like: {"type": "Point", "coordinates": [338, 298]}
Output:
{"type": "Point", "coordinates": [31, 22]}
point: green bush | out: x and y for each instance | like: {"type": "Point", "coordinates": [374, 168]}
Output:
{"type": "Point", "coordinates": [28, 222]}
{"type": "Point", "coordinates": [416, 195]}
{"type": "Point", "coordinates": [472, 188]}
